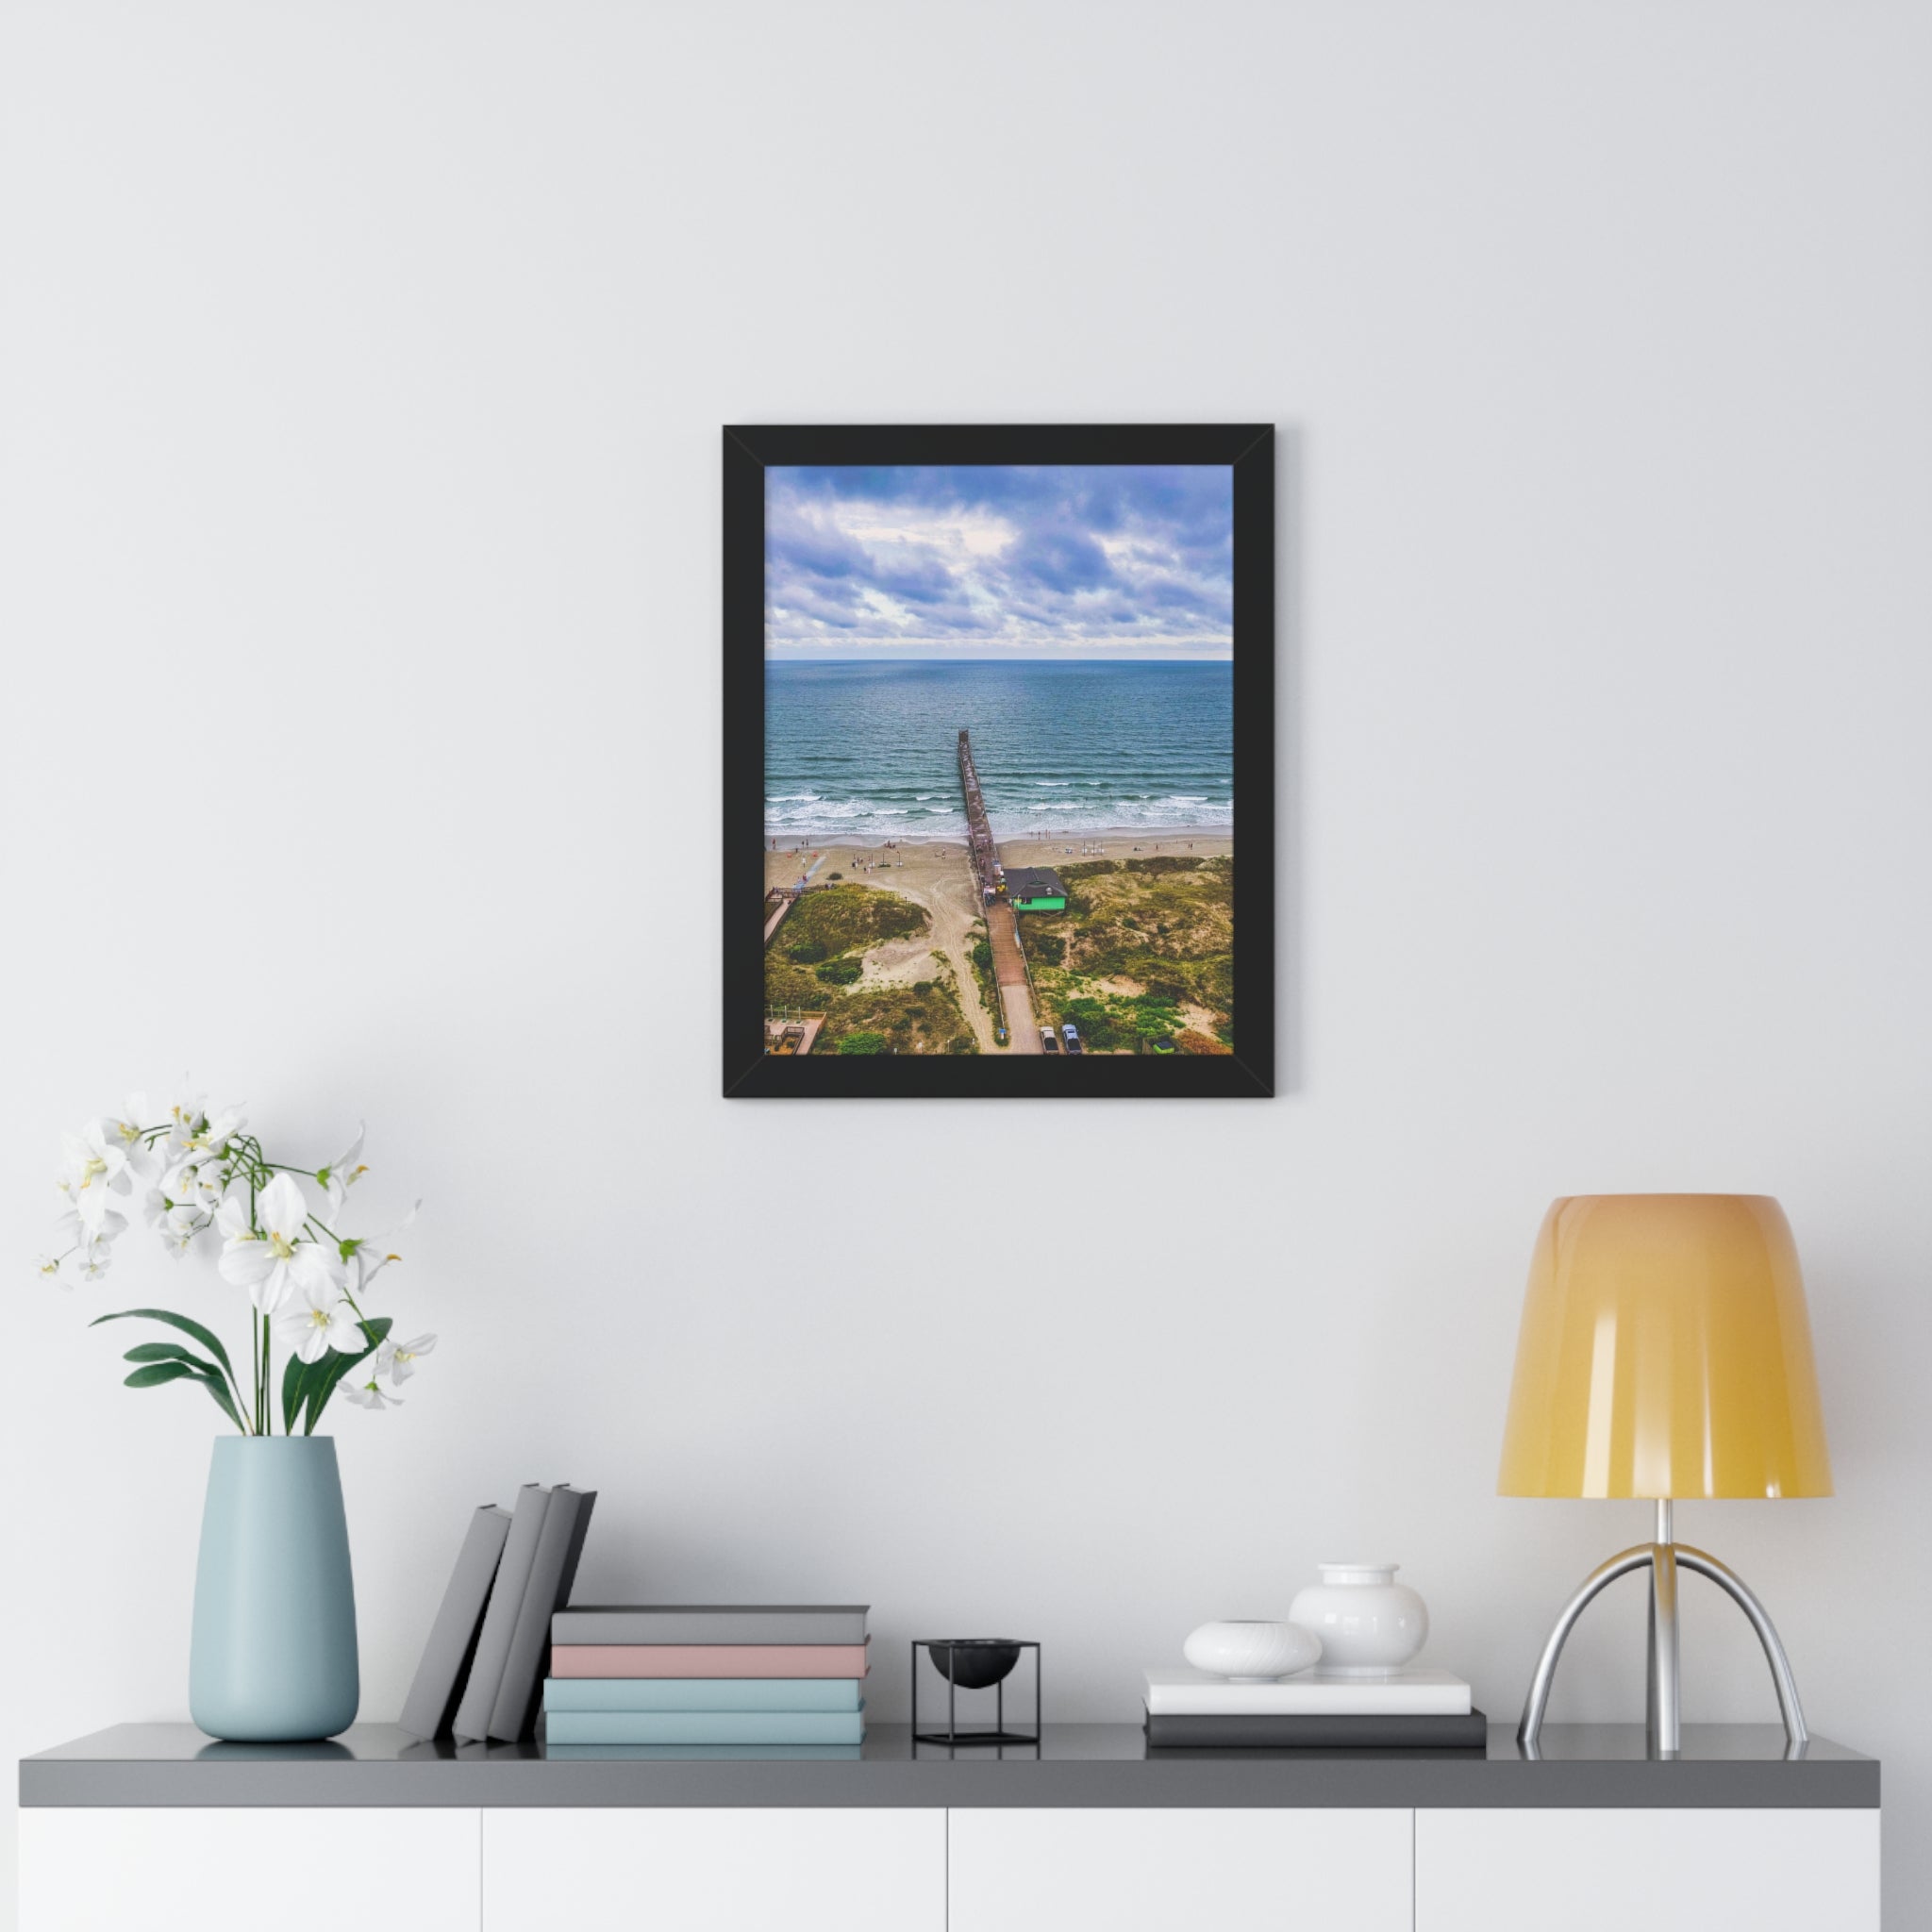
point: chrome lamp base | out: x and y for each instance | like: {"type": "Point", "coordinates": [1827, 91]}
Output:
{"type": "Point", "coordinates": [1663, 1720]}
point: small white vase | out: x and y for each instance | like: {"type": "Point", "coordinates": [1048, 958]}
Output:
{"type": "Point", "coordinates": [1251, 1653]}
{"type": "Point", "coordinates": [1370, 1626]}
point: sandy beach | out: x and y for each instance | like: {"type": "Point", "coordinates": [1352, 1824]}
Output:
{"type": "Point", "coordinates": [919, 859]}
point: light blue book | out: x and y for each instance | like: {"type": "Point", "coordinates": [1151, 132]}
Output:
{"type": "Point", "coordinates": [702, 1694]}
{"type": "Point", "coordinates": [666, 1754]}
{"type": "Point", "coordinates": [706, 1726]}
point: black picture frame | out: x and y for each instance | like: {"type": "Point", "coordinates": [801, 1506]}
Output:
{"type": "Point", "coordinates": [1248, 1072]}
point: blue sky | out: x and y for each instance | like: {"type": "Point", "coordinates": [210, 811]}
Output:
{"type": "Point", "coordinates": [989, 561]}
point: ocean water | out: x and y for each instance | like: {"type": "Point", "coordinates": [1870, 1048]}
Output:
{"type": "Point", "coordinates": [869, 750]}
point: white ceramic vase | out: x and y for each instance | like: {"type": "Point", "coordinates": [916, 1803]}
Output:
{"type": "Point", "coordinates": [1370, 1626]}
{"type": "Point", "coordinates": [1251, 1653]}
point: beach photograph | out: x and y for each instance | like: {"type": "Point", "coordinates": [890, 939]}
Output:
{"type": "Point", "coordinates": [999, 760]}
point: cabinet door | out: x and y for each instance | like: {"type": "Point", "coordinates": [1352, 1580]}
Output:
{"type": "Point", "coordinates": [1167, 1871]}
{"type": "Point", "coordinates": [714, 1870]}
{"type": "Point", "coordinates": [1665, 1871]}
{"type": "Point", "coordinates": [190, 1869]}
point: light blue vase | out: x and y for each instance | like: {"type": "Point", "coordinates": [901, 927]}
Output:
{"type": "Point", "coordinates": [273, 1652]}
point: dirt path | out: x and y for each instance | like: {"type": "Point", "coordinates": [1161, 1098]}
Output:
{"type": "Point", "coordinates": [953, 914]}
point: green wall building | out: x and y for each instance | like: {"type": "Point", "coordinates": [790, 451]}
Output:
{"type": "Point", "coordinates": [1034, 889]}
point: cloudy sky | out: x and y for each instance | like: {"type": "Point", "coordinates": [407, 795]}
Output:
{"type": "Point", "coordinates": [978, 561]}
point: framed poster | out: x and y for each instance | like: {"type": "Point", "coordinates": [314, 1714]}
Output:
{"type": "Point", "coordinates": [995, 701]}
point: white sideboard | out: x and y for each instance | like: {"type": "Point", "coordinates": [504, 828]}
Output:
{"type": "Point", "coordinates": [1665, 1871]}
{"type": "Point", "coordinates": [200, 1869]}
{"type": "Point", "coordinates": [152, 1829]}
{"type": "Point", "coordinates": [1049, 1871]}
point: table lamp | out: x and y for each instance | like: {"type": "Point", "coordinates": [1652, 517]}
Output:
{"type": "Point", "coordinates": [1665, 1353]}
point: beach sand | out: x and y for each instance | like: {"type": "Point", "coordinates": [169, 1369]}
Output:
{"type": "Point", "coordinates": [915, 857]}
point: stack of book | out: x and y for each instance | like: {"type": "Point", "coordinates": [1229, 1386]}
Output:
{"type": "Point", "coordinates": [483, 1665]}
{"type": "Point", "coordinates": [686, 1678]}
{"type": "Point", "coordinates": [1412, 1711]}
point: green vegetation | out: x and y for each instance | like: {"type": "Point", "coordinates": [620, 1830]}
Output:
{"type": "Point", "coordinates": [1142, 960]}
{"type": "Point", "coordinates": [851, 919]}
{"type": "Point", "coordinates": [817, 965]}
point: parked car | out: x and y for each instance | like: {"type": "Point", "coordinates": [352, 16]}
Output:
{"type": "Point", "coordinates": [1073, 1034]}
{"type": "Point", "coordinates": [1048, 1044]}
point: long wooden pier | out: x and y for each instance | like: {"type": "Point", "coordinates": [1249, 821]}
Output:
{"type": "Point", "coordinates": [979, 843]}
{"type": "Point", "coordinates": [1002, 923]}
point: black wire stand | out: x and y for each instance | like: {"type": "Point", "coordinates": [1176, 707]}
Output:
{"type": "Point", "coordinates": [956, 1733]}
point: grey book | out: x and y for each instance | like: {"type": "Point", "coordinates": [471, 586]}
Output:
{"type": "Point", "coordinates": [1299, 1732]}
{"type": "Point", "coordinates": [709, 1623]}
{"type": "Point", "coordinates": [500, 1618]}
{"type": "Point", "coordinates": [431, 1705]}
{"type": "Point", "coordinates": [553, 1569]}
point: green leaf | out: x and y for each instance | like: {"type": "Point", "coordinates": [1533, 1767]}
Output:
{"type": "Point", "coordinates": [157, 1373]}
{"type": "Point", "coordinates": [223, 1400]}
{"type": "Point", "coordinates": [293, 1378]}
{"type": "Point", "coordinates": [205, 1372]}
{"type": "Point", "coordinates": [320, 1382]}
{"type": "Point", "coordinates": [206, 1337]}
{"type": "Point", "coordinates": [166, 1352]}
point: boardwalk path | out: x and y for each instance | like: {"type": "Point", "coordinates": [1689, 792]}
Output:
{"type": "Point", "coordinates": [1002, 922]}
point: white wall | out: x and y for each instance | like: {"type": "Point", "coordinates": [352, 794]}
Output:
{"type": "Point", "coordinates": [363, 370]}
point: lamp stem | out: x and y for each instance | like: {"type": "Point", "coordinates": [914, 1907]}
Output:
{"type": "Point", "coordinates": [1662, 1701]}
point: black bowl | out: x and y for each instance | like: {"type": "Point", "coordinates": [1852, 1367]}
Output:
{"type": "Point", "coordinates": [975, 1663]}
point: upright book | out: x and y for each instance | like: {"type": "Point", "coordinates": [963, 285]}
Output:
{"type": "Point", "coordinates": [553, 1569]}
{"type": "Point", "coordinates": [431, 1705]}
{"type": "Point", "coordinates": [500, 1620]}
{"type": "Point", "coordinates": [710, 1624]}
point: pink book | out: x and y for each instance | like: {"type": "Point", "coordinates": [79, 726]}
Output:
{"type": "Point", "coordinates": [708, 1660]}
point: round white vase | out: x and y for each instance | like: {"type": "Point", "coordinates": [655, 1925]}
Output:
{"type": "Point", "coordinates": [1370, 1626]}
{"type": "Point", "coordinates": [1251, 1653]}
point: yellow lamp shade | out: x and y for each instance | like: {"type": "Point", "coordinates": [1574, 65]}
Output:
{"type": "Point", "coordinates": [1665, 1351]}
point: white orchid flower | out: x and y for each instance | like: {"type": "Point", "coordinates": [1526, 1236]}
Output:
{"type": "Point", "coordinates": [398, 1360]}
{"type": "Point", "coordinates": [319, 1318]}
{"type": "Point", "coordinates": [208, 1137]}
{"type": "Point", "coordinates": [181, 1228]}
{"type": "Point", "coordinates": [372, 1255]}
{"type": "Point", "coordinates": [270, 1258]}
{"type": "Point", "coordinates": [127, 1132]}
{"type": "Point", "coordinates": [231, 1216]}
{"type": "Point", "coordinates": [182, 1117]}
{"type": "Point", "coordinates": [94, 1165]}
{"type": "Point", "coordinates": [90, 1263]}
{"type": "Point", "coordinates": [200, 1181]}
{"type": "Point", "coordinates": [341, 1175]}
{"type": "Point", "coordinates": [47, 1267]}
{"type": "Point", "coordinates": [367, 1394]}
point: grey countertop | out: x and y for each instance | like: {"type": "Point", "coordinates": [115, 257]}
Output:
{"type": "Point", "coordinates": [1722, 1766]}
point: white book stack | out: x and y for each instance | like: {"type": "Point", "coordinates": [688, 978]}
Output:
{"type": "Point", "coordinates": [1411, 1709]}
